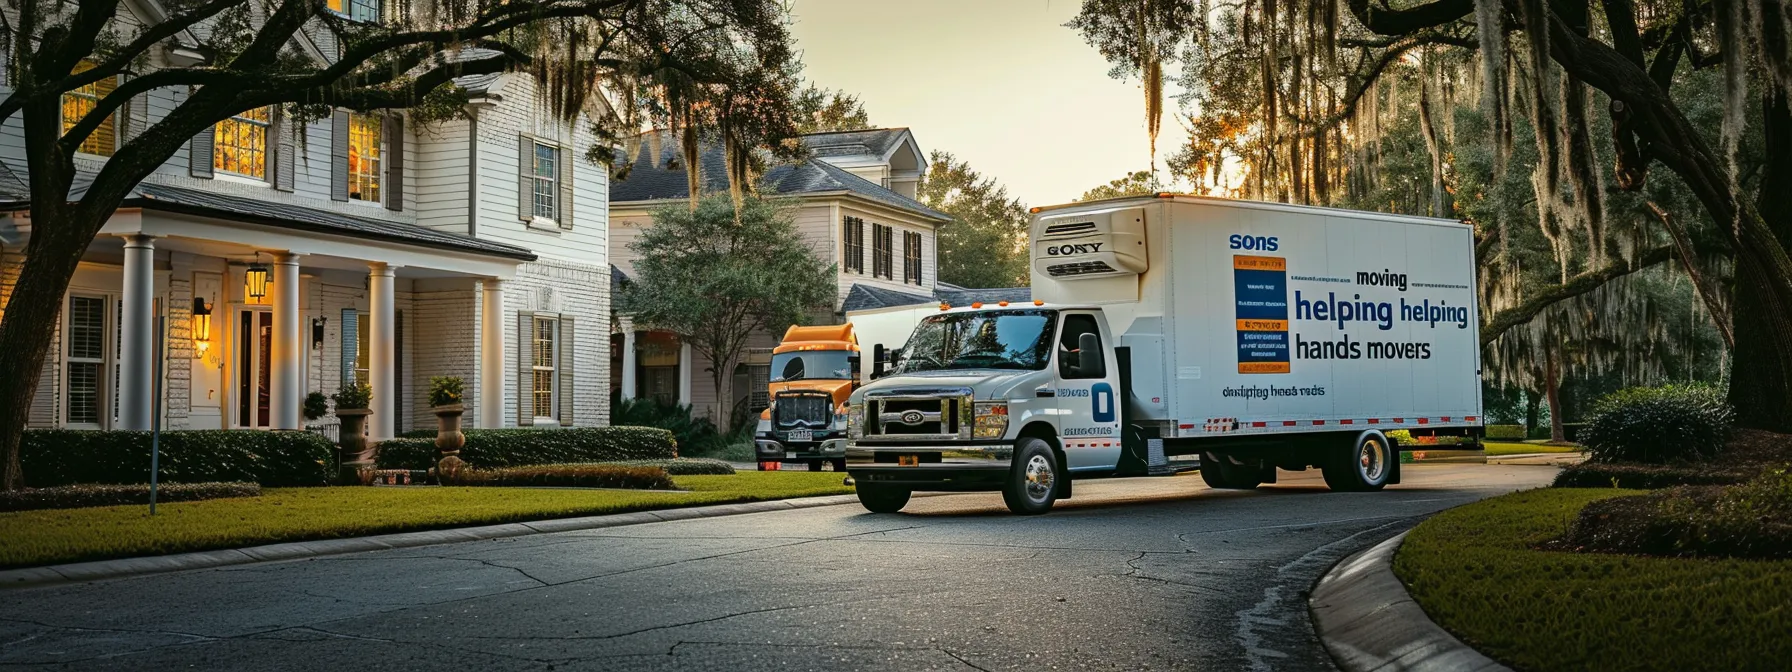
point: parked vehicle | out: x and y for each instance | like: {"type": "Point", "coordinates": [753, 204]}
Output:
{"type": "Point", "coordinates": [1256, 335]}
{"type": "Point", "coordinates": [812, 372]}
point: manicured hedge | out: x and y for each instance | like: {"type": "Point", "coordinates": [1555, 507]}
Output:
{"type": "Point", "coordinates": [1651, 476]}
{"type": "Point", "coordinates": [1657, 425]}
{"type": "Point", "coordinates": [80, 496]}
{"type": "Point", "coordinates": [1505, 432]}
{"type": "Point", "coordinates": [684, 466]}
{"type": "Point", "coordinates": [1751, 520]}
{"type": "Point", "coordinates": [53, 457]}
{"type": "Point", "coordinates": [565, 476]}
{"type": "Point", "coordinates": [497, 448]}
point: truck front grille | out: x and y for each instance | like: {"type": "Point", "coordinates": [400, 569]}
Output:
{"type": "Point", "coordinates": [814, 411]}
{"type": "Point", "coordinates": [904, 418]}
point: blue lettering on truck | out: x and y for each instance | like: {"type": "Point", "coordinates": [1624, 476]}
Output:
{"type": "Point", "coordinates": [1259, 243]}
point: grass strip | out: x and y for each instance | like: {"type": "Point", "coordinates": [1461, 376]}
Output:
{"type": "Point", "coordinates": [1473, 570]}
{"type": "Point", "coordinates": [1515, 448]}
{"type": "Point", "coordinates": [32, 538]}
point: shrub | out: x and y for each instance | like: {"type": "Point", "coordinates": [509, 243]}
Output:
{"type": "Point", "coordinates": [1505, 432]}
{"type": "Point", "coordinates": [316, 405]}
{"type": "Point", "coordinates": [354, 395]}
{"type": "Point", "coordinates": [1750, 520]}
{"type": "Point", "coordinates": [53, 457]}
{"type": "Point", "coordinates": [565, 476]}
{"type": "Point", "coordinates": [684, 466]}
{"type": "Point", "coordinates": [444, 391]}
{"type": "Point", "coordinates": [695, 435]}
{"type": "Point", "coordinates": [80, 496]}
{"type": "Point", "coordinates": [497, 448]}
{"type": "Point", "coordinates": [1657, 425]}
{"type": "Point", "coordinates": [1649, 476]}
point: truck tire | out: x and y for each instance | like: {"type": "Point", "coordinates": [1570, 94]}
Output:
{"type": "Point", "coordinates": [840, 465]}
{"type": "Point", "coordinates": [882, 498]}
{"type": "Point", "coordinates": [1363, 465]}
{"type": "Point", "coordinates": [1219, 472]}
{"type": "Point", "coordinates": [1032, 486]}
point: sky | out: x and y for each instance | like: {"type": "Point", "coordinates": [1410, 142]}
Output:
{"type": "Point", "coordinates": [999, 83]}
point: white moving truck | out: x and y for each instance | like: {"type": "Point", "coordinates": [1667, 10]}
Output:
{"type": "Point", "coordinates": [1256, 335]}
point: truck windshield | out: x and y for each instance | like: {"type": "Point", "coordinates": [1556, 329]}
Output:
{"type": "Point", "coordinates": [810, 365]}
{"type": "Point", "coordinates": [1019, 339]}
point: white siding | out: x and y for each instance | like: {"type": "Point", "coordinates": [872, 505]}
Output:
{"type": "Point", "coordinates": [500, 130]}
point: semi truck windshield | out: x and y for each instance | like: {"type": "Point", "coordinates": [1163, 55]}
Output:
{"type": "Point", "coordinates": [811, 365]}
{"type": "Point", "coordinates": [1018, 339]}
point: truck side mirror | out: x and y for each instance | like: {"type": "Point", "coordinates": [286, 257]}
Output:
{"type": "Point", "coordinates": [878, 357]}
{"type": "Point", "coordinates": [1090, 362]}
{"type": "Point", "coordinates": [852, 364]}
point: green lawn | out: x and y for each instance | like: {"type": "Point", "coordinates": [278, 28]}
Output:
{"type": "Point", "coordinates": [1473, 570]}
{"type": "Point", "coordinates": [1514, 448]}
{"type": "Point", "coordinates": [30, 538]}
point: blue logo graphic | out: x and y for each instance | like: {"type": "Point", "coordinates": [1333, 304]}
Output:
{"type": "Point", "coordinates": [1259, 243]}
{"type": "Point", "coordinates": [1102, 396]}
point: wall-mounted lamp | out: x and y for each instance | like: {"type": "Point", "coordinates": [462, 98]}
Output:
{"type": "Point", "coordinates": [317, 331]}
{"type": "Point", "coordinates": [202, 323]}
{"type": "Point", "coordinates": [256, 279]}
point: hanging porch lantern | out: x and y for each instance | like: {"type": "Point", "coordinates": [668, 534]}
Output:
{"type": "Point", "coordinates": [256, 279]}
{"type": "Point", "coordinates": [202, 323]}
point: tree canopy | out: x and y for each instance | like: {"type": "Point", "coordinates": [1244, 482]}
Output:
{"type": "Point", "coordinates": [985, 244]}
{"type": "Point", "coordinates": [827, 111]}
{"type": "Point", "coordinates": [718, 277]}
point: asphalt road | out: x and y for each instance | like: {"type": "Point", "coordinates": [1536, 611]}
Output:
{"type": "Point", "coordinates": [1133, 574]}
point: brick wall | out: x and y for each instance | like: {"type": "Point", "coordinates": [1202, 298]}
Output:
{"type": "Point", "coordinates": [445, 343]}
{"type": "Point", "coordinates": [583, 293]}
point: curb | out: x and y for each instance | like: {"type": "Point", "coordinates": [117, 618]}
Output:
{"type": "Point", "coordinates": [159, 564]}
{"type": "Point", "coordinates": [1368, 621]}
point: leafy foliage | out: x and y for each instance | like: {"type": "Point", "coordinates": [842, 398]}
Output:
{"type": "Point", "coordinates": [1506, 432]}
{"type": "Point", "coordinates": [1138, 183]}
{"type": "Point", "coordinates": [696, 435]}
{"type": "Point", "coordinates": [717, 276]}
{"type": "Point", "coordinates": [565, 476]}
{"type": "Point", "coordinates": [316, 405]}
{"type": "Point", "coordinates": [55, 457]}
{"type": "Point", "coordinates": [1749, 520]}
{"type": "Point", "coordinates": [684, 466]}
{"type": "Point", "coordinates": [497, 448]}
{"type": "Point", "coordinates": [985, 245]}
{"type": "Point", "coordinates": [444, 390]}
{"type": "Point", "coordinates": [81, 496]}
{"type": "Point", "coordinates": [1655, 425]}
{"type": "Point", "coordinates": [821, 110]}
{"type": "Point", "coordinates": [354, 395]}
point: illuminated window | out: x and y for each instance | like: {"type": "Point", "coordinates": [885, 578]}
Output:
{"type": "Point", "coordinates": [546, 175]}
{"type": "Point", "coordinates": [78, 103]}
{"type": "Point", "coordinates": [546, 353]}
{"type": "Point", "coordinates": [359, 10]}
{"type": "Point", "coordinates": [240, 144]}
{"type": "Point", "coordinates": [364, 157]}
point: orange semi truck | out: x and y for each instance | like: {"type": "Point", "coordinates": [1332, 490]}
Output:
{"type": "Point", "coordinates": [813, 371]}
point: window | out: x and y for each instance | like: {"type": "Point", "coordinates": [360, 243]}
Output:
{"type": "Point", "coordinates": [365, 154]}
{"type": "Point", "coordinates": [1070, 346]}
{"type": "Point", "coordinates": [882, 261]}
{"type": "Point", "coordinates": [911, 257]}
{"type": "Point", "coordinates": [78, 103]}
{"type": "Point", "coordinates": [546, 354]}
{"type": "Point", "coordinates": [544, 173]}
{"type": "Point", "coordinates": [359, 10]}
{"type": "Point", "coordinates": [86, 359]}
{"type": "Point", "coordinates": [852, 234]}
{"type": "Point", "coordinates": [240, 143]}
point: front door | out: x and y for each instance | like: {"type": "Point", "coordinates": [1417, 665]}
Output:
{"type": "Point", "coordinates": [254, 345]}
{"type": "Point", "coordinates": [1088, 400]}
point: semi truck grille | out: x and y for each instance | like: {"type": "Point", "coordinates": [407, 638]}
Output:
{"type": "Point", "coordinates": [803, 410]}
{"type": "Point", "coordinates": [930, 418]}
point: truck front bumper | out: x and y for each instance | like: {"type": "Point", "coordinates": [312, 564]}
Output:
{"type": "Point", "coordinates": [931, 466]}
{"type": "Point", "coordinates": [766, 449]}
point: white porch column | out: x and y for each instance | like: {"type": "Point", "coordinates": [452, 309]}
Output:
{"type": "Point", "coordinates": [285, 376]}
{"type": "Point", "coordinates": [684, 374]}
{"type": "Point", "coordinates": [381, 351]}
{"type": "Point", "coordinates": [627, 374]}
{"type": "Point", "coordinates": [491, 355]}
{"type": "Point", "coordinates": [137, 351]}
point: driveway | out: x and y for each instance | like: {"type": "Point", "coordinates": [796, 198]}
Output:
{"type": "Point", "coordinates": [1132, 574]}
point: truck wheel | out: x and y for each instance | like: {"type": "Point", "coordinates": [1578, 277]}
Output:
{"type": "Point", "coordinates": [1220, 473]}
{"type": "Point", "coordinates": [1032, 485]}
{"type": "Point", "coordinates": [1365, 466]}
{"type": "Point", "coordinates": [882, 498]}
{"type": "Point", "coordinates": [840, 465]}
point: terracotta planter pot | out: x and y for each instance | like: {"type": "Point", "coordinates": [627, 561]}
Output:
{"type": "Point", "coordinates": [449, 439]}
{"type": "Point", "coordinates": [353, 449]}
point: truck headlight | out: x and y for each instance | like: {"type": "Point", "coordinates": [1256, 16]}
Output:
{"type": "Point", "coordinates": [991, 421]}
{"type": "Point", "coordinates": [764, 428]}
{"type": "Point", "coordinates": [855, 421]}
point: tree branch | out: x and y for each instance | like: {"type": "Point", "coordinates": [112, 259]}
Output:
{"type": "Point", "coordinates": [1402, 21]}
{"type": "Point", "coordinates": [1505, 320]}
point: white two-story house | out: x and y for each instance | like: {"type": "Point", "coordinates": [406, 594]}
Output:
{"type": "Point", "coordinates": [853, 202]}
{"type": "Point", "coordinates": [276, 259]}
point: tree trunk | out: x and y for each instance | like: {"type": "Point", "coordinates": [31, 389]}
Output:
{"type": "Point", "coordinates": [723, 376]}
{"type": "Point", "coordinates": [1761, 381]}
{"type": "Point", "coordinates": [29, 326]}
{"type": "Point", "coordinates": [1553, 388]}
{"type": "Point", "coordinates": [1429, 130]}
{"type": "Point", "coordinates": [1532, 411]}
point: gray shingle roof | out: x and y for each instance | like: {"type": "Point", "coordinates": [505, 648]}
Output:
{"type": "Point", "coordinates": [184, 200]}
{"type": "Point", "coordinates": [872, 141]}
{"type": "Point", "coordinates": [867, 297]}
{"type": "Point", "coordinates": [959, 296]}
{"type": "Point", "coordinates": [649, 180]}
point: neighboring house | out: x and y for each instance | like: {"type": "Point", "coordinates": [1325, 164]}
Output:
{"type": "Point", "coordinates": [853, 203]}
{"type": "Point", "coordinates": [360, 246]}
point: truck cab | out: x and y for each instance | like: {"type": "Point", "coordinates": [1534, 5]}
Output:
{"type": "Point", "coordinates": [813, 370]}
{"type": "Point", "coordinates": [978, 390]}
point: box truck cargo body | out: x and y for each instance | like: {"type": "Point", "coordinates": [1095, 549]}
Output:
{"type": "Point", "coordinates": [1256, 335]}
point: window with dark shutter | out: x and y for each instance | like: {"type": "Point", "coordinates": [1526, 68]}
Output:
{"type": "Point", "coordinates": [395, 162]}
{"type": "Point", "coordinates": [911, 257]}
{"type": "Point", "coordinates": [339, 177]}
{"type": "Point", "coordinates": [882, 255]}
{"type": "Point", "coordinates": [852, 234]}
{"type": "Point", "coordinates": [525, 357]}
{"type": "Point", "coordinates": [284, 151]}
{"type": "Point", "coordinates": [563, 376]}
{"type": "Point", "coordinates": [566, 166]}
